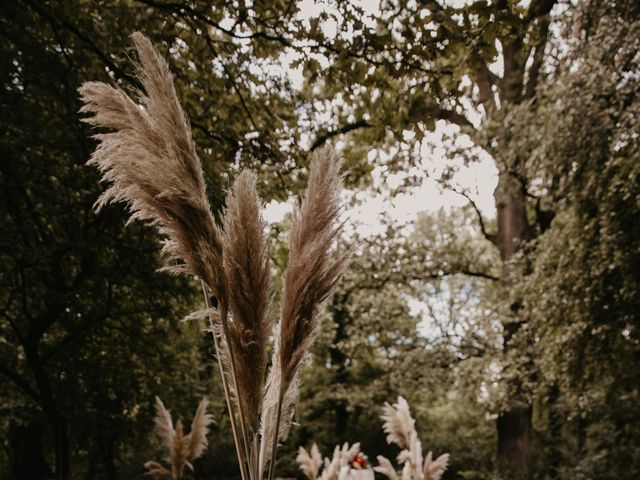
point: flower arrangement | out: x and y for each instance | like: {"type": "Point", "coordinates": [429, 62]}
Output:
{"type": "Point", "coordinates": [147, 156]}
{"type": "Point", "coordinates": [349, 463]}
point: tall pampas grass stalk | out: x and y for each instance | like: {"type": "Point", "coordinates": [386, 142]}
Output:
{"type": "Point", "coordinates": [181, 449]}
{"type": "Point", "coordinates": [311, 274]}
{"type": "Point", "coordinates": [246, 265]}
{"type": "Point", "coordinates": [149, 159]}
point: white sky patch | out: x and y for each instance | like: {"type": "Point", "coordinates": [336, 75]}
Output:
{"type": "Point", "coordinates": [274, 211]}
{"type": "Point", "coordinates": [478, 179]}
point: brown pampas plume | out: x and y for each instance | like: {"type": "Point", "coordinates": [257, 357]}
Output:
{"type": "Point", "coordinates": [181, 449]}
{"type": "Point", "coordinates": [311, 274]}
{"type": "Point", "coordinates": [246, 265]}
{"type": "Point", "coordinates": [151, 163]}
{"type": "Point", "coordinates": [148, 158]}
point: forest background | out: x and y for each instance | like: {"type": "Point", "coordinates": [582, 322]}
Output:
{"type": "Point", "coordinates": [510, 322]}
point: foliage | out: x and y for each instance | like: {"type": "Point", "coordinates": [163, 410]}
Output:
{"type": "Point", "coordinates": [583, 292]}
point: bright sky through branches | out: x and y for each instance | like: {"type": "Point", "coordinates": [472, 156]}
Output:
{"type": "Point", "coordinates": [478, 179]}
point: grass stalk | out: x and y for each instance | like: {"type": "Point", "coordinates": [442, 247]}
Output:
{"type": "Point", "coordinates": [274, 445]}
{"type": "Point", "coordinates": [225, 386]}
{"type": "Point", "coordinates": [234, 379]}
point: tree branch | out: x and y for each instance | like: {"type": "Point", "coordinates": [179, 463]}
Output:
{"type": "Point", "coordinates": [349, 127]}
{"type": "Point", "coordinates": [540, 8]}
{"type": "Point", "coordinates": [20, 382]}
{"type": "Point", "coordinates": [448, 115]}
{"type": "Point", "coordinates": [489, 236]}
{"type": "Point", "coordinates": [484, 80]}
{"type": "Point", "coordinates": [537, 62]}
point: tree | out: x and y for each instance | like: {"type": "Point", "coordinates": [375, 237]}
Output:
{"type": "Point", "coordinates": [397, 71]}
{"type": "Point", "coordinates": [582, 294]}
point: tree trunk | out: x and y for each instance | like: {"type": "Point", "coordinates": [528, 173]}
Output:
{"type": "Point", "coordinates": [106, 446]}
{"type": "Point", "coordinates": [63, 450]}
{"type": "Point", "coordinates": [514, 441]}
{"type": "Point", "coordinates": [555, 429]}
{"type": "Point", "coordinates": [339, 363]}
{"type": "Point", "coordinates": [56, 420]}
{"type": "Point", "coordinates": [27, 456]}
{"type": "Point", "coordinates": [514, 422]}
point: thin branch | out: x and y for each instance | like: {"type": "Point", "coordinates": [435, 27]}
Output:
{"type": "Point", "coordinates": [349, 127]}
{"type": "Point", "coordinates": [449, 115]}
{"type": "Point", "coordinates": [489, 236]}
{"type": "Point", "coordinates": [183, 8]}
{"type": "Point", "coordinates": [435, 112]}
{"type": "Point", "coordinates": [21, 383]}
{"type": "Point", "coordinates": [537, 62]}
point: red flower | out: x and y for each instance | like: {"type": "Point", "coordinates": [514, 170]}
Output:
{"type": "Point", "coordinates": [358, 461]}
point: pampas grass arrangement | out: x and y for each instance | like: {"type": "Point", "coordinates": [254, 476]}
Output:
{"type": "Point", "coordinates": [148, 158]}
{"type": "Point", "coordinates": [348, 463]}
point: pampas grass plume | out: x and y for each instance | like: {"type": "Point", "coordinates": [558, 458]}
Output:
{"type": "Point", "coordinates": [150, 161]}
{"type": "Point", "coordinates": [246, 265]}
{"type": "Point", "coordinates": [181, 449]}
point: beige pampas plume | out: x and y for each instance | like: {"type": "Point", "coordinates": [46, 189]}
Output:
{"type": "Point", "coordinates": [400, 428]}
{"type": "Point", "coordinates": [197, 439]}
{"type": "Point", "coordinates": [386, 468]}
{"type": "Point", "coordinates": [309, 463]}
{"type": "Point", "coordinates": [311, 274]}
{"type": "Point", "coordinates": [246, 265]}
{"type": "Point", "coordinates": [150, 161]}
{"type": "Point", "coordinates": [181, 449]}
{"type": "Point", "coordinates": [433, 469]}
{"type": "Point", "coordinates": [398, 423]}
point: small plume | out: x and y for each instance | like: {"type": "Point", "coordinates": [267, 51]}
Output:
{"type": "Point", "coordinates": [197, 438]}
{"type": "Point", "coordinates": [164, 425]}
{"type": "Point", "coordinates": [309, 463]}
{"type": "Point", "coordinates": [386, 468]}
{"type": "Point", "coordinates": [433, 469]}
{"type": "Point", "coordinates": [246, 265]}
{"type": "Point", "coordinates": [398, 423]}
{"type": "Point", "coordinates": [156, 470]}
{"type": "Point", "coordinates": [400, 428]}
{"type": "Point", "coordinates": [181, 449]}
{"type": "Point", "coordinates": [150, 161]}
